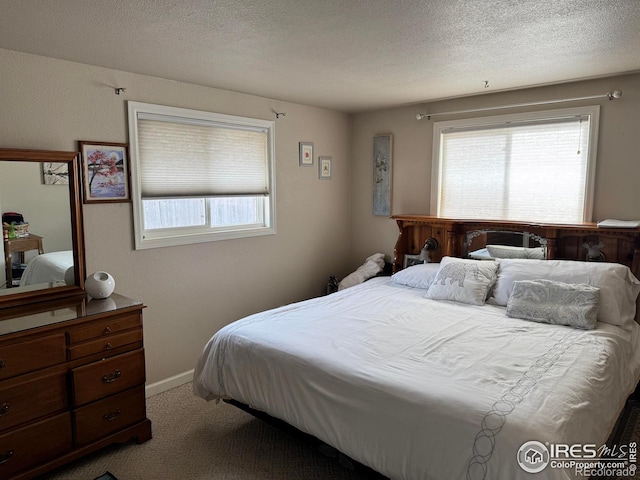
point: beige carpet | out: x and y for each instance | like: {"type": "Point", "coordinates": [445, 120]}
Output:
{"type": "Point", "coordinates": [194, 439]}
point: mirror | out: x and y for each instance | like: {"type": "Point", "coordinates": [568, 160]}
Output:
{"type": "Point", "coordinates": [491, 244]}
{"type": "Point", "coordinates": [49, 252]}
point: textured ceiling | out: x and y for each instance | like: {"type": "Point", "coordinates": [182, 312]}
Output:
{"type": "Point", "coordinates": [347, 55]}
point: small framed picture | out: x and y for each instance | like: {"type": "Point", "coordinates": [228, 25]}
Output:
{"type": "Point", "coordinates": [55, 173]}
{"type": "Point", "coordinates": [306, 154]}
{"type": "Point", "coordinates": [410, 260]}
{"type": "Point", "coordinates": [324, 168]}
{"type": "Point", "coordinates": [105, 172]}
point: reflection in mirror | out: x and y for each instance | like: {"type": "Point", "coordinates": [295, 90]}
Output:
{"type": "Point", "coordinates": [492, 244]}
{"type": "Point", "coordinates": [42, 252]}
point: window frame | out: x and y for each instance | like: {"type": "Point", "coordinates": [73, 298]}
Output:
{"type": "Point", "coordinates": [593, 111]}
{"type": "Point", "coordinates": [188, 235]}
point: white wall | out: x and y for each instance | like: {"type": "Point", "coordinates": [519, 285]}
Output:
{"type": "Point", "coordinates": [191, 291]}
{"type": "Point", "coordinates": [618, 160]}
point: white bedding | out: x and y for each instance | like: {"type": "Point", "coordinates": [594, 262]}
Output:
{"type": "Point", "coordinates": [48, 268]}
{"type": "Point", "coordinates": [424, 389]}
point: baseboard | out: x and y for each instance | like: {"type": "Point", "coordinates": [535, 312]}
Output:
{"type": "Point", "coordinates": [168, 383]}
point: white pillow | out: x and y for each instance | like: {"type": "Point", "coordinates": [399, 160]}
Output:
{"type": "Point", "coordinates": [464, 281]}
{"type": "Point", "coordinates": [619, 288]}
{"type": "Point", "coordinates": [416, 276]}
{"type": "Point", "coordinates": [557, 303]}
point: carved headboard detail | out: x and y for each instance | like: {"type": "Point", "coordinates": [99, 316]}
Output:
{"type": "Point", "coordinates": [568, 242]}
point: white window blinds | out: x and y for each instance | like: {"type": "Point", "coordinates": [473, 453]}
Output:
{"type": "Point", "coordinates": [536, 170]}
{"type": "Point", "coordinates": [199, 176]}
{"type": "Point", "coordinates": [200, 158]}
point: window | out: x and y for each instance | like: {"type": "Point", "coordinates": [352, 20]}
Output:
{"type": "Point", "coordinates": [199, 176]}
{"type": "Point", "coordinates": [536, 167]}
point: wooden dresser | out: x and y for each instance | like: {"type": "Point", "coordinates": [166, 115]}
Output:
{"type": "Point", "coordinates": [72, 377]}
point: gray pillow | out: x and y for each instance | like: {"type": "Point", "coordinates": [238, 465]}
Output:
{"type": "Point", "coordinates": [557, 303]}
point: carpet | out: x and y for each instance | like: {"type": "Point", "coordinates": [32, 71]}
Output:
{"type": "Point", "coordinates": [629, 430]}
{"type": "Point", "coordinates": [106, 476]}
{"type": "Point", "coordinates": [625, 434]}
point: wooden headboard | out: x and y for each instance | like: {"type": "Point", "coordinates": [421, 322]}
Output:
{"type": "Point", "coordinates": [620, 245]}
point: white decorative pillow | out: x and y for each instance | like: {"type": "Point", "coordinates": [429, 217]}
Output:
{"type": "Point", "coordinates": [557, 303]}
{"type": "Point", "coordinates": [507, 251]}
{"type": "Point", "coordinates": [619, 288]}
{"type": "Point", "coordinates": [416, 276]}
{"type": "Point", "coordinates": [464, 281]}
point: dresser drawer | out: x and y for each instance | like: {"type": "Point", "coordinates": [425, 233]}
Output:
{"type": "Point", "coordinates": [102, 418]}
{"type": "Point", "coordinates": [31, 355]}
{"type": "Point", "coordinates": [31, 396]}
{"type": "Point", "coordinates": [132, 338]}
{"type": "Point", "coordinates": [35, 444]}
{"type": "Point", "coordinates": [107, 377]}
{"type": "Point", "coordinates": [104, 329]}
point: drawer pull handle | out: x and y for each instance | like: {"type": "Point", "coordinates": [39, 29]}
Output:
{"type": "Point", "coordinates": [111, 377]}
{"type": "Point", "coordinates": [107, 417]}
{"type": "Point", "coordinates": [6, 457]}
{"type": "Point", "coordinates": [108, 346]}
{"type": "Point", "coordinates": [2, 363]}
{"type": "Point", "coordinates": [107, 330]}
{"type": "Point", "coordinates": [4, 409]}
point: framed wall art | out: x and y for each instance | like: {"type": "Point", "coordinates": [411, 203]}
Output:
{"type": "Point", "coordinates": [306, 154]}
{"type": "Point", "coordinates": [105, 172]}
{"type": "Point", "coordinates": [55, 173]}
{"type": "Point", "coordinates": [382, 162]}
{"type": "Point", "coordinates": [410, 260]}
{"type": "Point", "coordinates": [324, 168]}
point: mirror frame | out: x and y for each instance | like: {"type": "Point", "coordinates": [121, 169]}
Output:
{"type": "Point", "coordinates": [72, 159]}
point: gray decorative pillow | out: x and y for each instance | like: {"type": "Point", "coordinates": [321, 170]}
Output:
{"type": "Point", "coordinates": [557, 303]}
{"type": "Point", "coordinates": [464, 281]}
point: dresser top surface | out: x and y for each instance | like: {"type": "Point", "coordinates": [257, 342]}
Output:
{"type": "Point", "coordinates": [42, 314]}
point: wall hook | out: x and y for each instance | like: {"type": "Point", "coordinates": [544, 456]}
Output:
{"type": "Point", "coordinates": [120, 90]}
{"type": "Point", "coordinates": [280, 114]}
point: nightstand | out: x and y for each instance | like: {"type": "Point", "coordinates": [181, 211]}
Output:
{"type": "Point", "coordinates": [19, 245]}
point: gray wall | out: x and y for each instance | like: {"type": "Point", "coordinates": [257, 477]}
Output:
{"type": "Point", "coordinates": [617, 170]}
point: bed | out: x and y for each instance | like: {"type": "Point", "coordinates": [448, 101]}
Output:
{"type": "Point", "coordinates": [53, 267]}
{"type": "Point", "coordinates": [448, 370]}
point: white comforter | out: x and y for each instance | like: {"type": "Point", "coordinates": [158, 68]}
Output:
{"type": "Point", "coordinates": [48, 268]}
{"type": "Point", "coordinates": [424, 389]}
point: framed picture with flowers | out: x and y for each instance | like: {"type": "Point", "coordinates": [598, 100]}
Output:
{"type": "Point", "coordinates": [105, 172]}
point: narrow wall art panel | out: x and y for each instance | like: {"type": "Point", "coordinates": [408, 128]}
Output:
{"type": "Point", "coordinates": [382, 160]}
